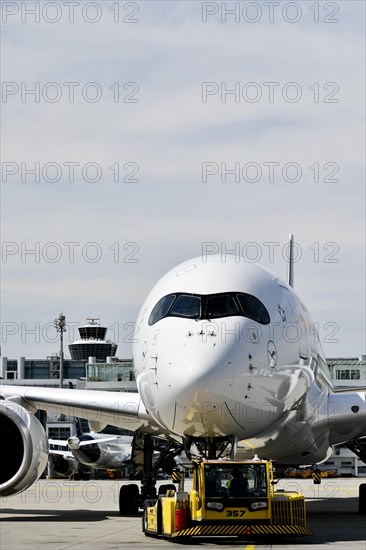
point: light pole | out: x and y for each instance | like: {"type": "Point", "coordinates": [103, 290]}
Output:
{"type": "Point", "coordinates": [60, 323]}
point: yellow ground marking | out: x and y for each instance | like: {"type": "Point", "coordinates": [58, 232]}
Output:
{"type": "Point", "coordinates": [247, 443]}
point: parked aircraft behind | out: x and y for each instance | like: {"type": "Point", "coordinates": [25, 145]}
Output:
{"type": "Point", "coordinates": [101, 451]}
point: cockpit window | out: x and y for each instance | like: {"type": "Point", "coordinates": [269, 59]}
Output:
{"type": "Point", "coordinates": [221, 305]}
{"type": "Point", "coordinates": [211, 306]}
{"type": "Point", "coordinates": [161, 308]}
{"type": "Point", "coordinates": [253, 308]}
{"type": "Point", "coordinates": [186, 306]}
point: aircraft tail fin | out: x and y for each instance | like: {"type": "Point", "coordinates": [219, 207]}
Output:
{"type": "Point", "coordinates": [290, 272]}
{"type": "Point", "coordinates": [79, 430]}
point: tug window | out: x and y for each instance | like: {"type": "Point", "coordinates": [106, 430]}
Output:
{"type": "Point", "coordinates": [239, 481]}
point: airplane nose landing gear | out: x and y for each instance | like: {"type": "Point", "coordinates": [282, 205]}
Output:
{"type": "Point", "coordinates": [149, 454]}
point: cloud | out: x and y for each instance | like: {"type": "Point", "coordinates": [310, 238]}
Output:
{"type": "Point", "coordinates": [168, 134]}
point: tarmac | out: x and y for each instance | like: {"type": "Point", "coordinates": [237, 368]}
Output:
{"type": "Point", "coordinates": [83, 515]}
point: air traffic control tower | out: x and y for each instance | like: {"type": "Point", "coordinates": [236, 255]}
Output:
{"type": "Point", "coordinates": [92, 342]}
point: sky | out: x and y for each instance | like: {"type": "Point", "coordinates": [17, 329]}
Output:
{"type": "Point", "coordinates": [136, 135]}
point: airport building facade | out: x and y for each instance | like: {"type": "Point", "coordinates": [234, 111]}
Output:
{"type": "Point", "coordinates": [347, 373]}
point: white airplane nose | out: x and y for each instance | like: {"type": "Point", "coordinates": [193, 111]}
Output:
{"type": "Point", "coordinates": [201, 384]}
{"type": "Point", "coordinates": [207, 379]}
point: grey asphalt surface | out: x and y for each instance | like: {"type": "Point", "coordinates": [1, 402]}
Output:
{"type": "Point", "coordinates": [83, 515]}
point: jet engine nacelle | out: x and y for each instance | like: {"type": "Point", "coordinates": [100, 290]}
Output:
{"type": "Point", "coordinates": [65, 466]}
{"type": "Point", "coordinates": [25, 448]}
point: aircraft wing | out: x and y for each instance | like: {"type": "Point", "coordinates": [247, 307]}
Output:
{"type": "Point", "coordinates": [64, 454]}
{"type": "Point", "coordinates": [59, 442]}
{"type": "Point", "coordinates": [121, 409]}
{"type": "Point", "coordinates": [75, 441]}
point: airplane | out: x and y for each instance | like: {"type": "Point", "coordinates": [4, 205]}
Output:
{"type": "Point", "coordinates": [100, 451]}
{"type": "Point", "coordinates": [228, 363]}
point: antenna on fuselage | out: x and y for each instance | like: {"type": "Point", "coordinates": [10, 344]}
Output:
{"type": "Point", "coordinates": [290, 273]}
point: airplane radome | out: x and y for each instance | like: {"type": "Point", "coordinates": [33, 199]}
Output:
{"type": "Point", "coordinates": [228, 363]}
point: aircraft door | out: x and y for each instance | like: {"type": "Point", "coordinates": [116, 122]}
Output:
{"type": "Point", "coordinates": [294, 330]}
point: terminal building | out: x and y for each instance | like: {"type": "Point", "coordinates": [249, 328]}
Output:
{"type": "Point", "coordinates": [93, 365]}
{"type": "Point", "coordinates": [347, 373]}
{"type": "Point", "coordinates": [109, 373]}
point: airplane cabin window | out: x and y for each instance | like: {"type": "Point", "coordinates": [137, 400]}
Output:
{"type": "Point", "coordinates": [212, 306]}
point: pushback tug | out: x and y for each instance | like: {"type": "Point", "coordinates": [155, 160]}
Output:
{"type": "Point", "coordinates": [228, 498]}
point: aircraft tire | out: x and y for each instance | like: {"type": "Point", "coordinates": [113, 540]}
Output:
{"type": "Point", "coordinates": [128, 500]}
